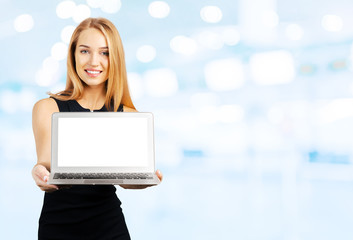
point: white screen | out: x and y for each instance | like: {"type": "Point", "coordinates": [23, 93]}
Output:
{"type": "Point", "coordinates": [102, 142]}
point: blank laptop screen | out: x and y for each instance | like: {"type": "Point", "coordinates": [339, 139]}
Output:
{"type": "Point", "coordinates": [103, 142]}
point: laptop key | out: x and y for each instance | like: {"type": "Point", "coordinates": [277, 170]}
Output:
{"type": "Point", "coordinates": [102, 176]}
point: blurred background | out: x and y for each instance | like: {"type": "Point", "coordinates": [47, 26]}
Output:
{"type": "Point", "coordinates": [253, 104]}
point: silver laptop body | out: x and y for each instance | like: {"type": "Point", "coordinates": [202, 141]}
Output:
{"type": "Point", "coordinates": [102, 148]}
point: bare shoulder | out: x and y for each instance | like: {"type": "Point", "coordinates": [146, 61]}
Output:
{"type": "Point", "coordinates": [43, 108]}
{"type": "Point", "coordinates": [128, 109]}
{"type": "Point", "coordinates": [46, 104]}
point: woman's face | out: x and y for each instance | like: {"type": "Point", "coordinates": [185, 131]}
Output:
{"type": "Point", "coordinates": [92, 57]}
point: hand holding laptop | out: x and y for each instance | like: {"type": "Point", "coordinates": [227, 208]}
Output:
{"type": "Point", "coordinates": [159, 175]}
{"type": "Point", "coordinates": [41, 175]}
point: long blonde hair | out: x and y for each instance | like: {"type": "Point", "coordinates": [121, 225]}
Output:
{"type": "Point", "coordinates": [117, 90]}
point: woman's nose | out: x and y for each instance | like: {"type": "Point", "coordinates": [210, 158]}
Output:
{"type": "Point", "coordinates": [94, 59]}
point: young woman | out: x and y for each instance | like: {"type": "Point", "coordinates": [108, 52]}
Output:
{"type": "Point", "coordinates": [96, 81]}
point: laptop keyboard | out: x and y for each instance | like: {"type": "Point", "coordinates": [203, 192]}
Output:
{"type": "Point", "coordinates": [103, 176]}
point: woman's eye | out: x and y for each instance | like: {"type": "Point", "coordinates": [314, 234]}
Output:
{"type": "Point", "coordinates": [84, 51]}
{"type": "Point", "coordinates": [105, 53]}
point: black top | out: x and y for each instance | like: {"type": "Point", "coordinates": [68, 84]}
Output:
{"type": "Point", "coordinates": [82, 211]}
{"type": "Point", "coordinates": [74, 106]}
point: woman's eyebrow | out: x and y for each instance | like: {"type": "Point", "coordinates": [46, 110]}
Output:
{"type": "Point", "coordinates": [85, 46]}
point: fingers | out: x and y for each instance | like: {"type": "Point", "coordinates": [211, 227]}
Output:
{"type": "Point", "coordinates": [41, 175]}
{"type": "Point", "coordinates": [159, 175]}
{"type": "Point", "coordinates": [134, 186]}
{"type": "Point", "coordinates": [47, 187]}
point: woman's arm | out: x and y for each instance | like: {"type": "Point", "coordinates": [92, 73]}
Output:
{"type": "Point", "coordinates": [41, 124]}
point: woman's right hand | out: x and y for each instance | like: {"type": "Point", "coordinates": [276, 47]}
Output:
{"type": "Point", "coordinates": [41, 175]}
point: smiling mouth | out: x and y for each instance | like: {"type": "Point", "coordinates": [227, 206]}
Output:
{"type": "Point", "coordinates": [92, 73]}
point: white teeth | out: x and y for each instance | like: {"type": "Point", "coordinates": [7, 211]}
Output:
{"type": "Point", "coordinates": [93, 72]}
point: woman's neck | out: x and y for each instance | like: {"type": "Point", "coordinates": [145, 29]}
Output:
{"type": "Point", "coordinates": [93, 98]}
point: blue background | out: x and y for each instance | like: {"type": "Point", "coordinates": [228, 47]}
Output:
{"type": "Point", "coordinates": [253, 129]}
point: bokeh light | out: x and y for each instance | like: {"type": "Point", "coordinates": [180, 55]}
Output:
{"type": "Point", "coordinates": [270, 19]}
{"type": "Point", "coordinates": [211, 14]}
{"type": "Point", "coordinates": [332, 23]}
{"type": "Point", "coordinates": [159, 9]}
{"type": "Point", "coordinates": [224, 74]}
{"type": "Point", "coordinates": [294, 32]}
{"type": "Point", "coordinates": [184, 45]}
{"type": "Point", "coordinates": [66, 9]}
{"type": "Point", "coordinates": [66, 33]}
{"type": "Point", "coordinates": [275, 67]}
{"type": "Point", "coordinates": [146, 53]}
{"type": "Point", "coordinates": [135, 85]}
{"type": "Point", "coordinates": [81, 12]}
{"type": "Point", "coordinates": [161, 82]}
{"type": "Point", "coordinates": [111, 6]}
{"type": "Point", "coordinates": [23, 23]}
{"type": "Point", "coordinates": [210, 39]}
{"type": "Point", "coordinates": [95, 3]}
{"type": "Point", "coordinates": [59, 51]}
{"type": "Point", "coordinates": [230, 36]}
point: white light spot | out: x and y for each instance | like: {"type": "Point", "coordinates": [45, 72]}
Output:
{"type": "Point", "coordinates": [210, 40]}
{"type": "Point", "coordinates": [65, 9]}
{"type": "Point", "coordinates": [159, 9]}
{"type": "Point", "coordinates": [48, 74]}
{"type": "Point", "coordinates": [275, 67]}
{"type": "Point", "coordinates": [270, 19]}
{"type": "Point", "coordinates": [57, 87]}
{"type": "Point", "coordinates": [230, 36]}
{"type": "Point", "coordinates": [332, 23]}
{"type": "Point", "coordinates": [211, 14]}
{"type": "Point", "coordinates": [45, 78]}
{"type": "Point", "coordinates": [66, 33]}
{"type": "Point", "coordinates": [146, 53]}
{"type": "Point", "coordinates": [224, 75]}
{"type": "Point", "coordinates": [230, 113]}
{"type": "Point", "coordinates": [183, 45]}
{"type": "Point", "coordinates": [23, 23]}
{"type": "Point", "coordinates": [111, 6]}
{"type": "Point", "coordinates": [59, 51]}
{"type": "Point", "coordinates": [161, 82]}
{"type": "Point", "coordinates": [95, 3]}
{"type": "Point", "coordinates": [135, 85]}
{"type": "Point", "coordinates": [51, 65]}
{"type": "Point", "coordinates": [336, 110]}
{"type": "Point", "coordinates": [81, 13]}
{"type": "Point", "coordinates": [294, 32]}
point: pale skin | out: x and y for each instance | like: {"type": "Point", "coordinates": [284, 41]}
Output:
{"type": "Point", "coordinates": [92, 66]}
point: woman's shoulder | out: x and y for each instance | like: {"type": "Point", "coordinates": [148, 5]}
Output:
{"type": "Point", "coordinates": [46, 105]}
{"type": "Point", "coordinates": [128, 109]}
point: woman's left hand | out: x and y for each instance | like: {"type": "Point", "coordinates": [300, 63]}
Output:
{"type": "Point", "coordinates": [159, 175]}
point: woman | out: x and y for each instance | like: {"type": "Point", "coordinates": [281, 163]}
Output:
{"type": "Point", "coordinates": [96, 81]}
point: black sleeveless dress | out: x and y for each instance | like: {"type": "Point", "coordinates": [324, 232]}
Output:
{"type": "Point", "coordinates": [82, 211]}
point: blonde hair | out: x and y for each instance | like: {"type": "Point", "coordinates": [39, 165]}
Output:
{"type": "Point", "coordinates": [117, 90]}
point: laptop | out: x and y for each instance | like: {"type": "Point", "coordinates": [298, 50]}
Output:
{"type": "Point", "coordinates": [102, 148]}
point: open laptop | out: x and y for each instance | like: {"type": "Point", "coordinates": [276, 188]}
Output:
{"type": "Point", "coordinates": [102, 148]}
